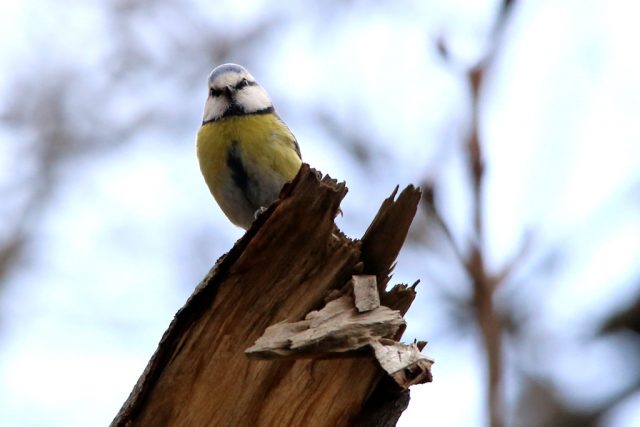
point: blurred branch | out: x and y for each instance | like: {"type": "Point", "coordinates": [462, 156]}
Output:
{"type": "Point", "coordinates": [541, 405]}
{"type": "Point", "coordinates": [34, 176]}
{"type": "Point", "coordinates": [57, 113]}
{"type": "Point", "coordinates": [428, 201]}
{"type": "Point", "coordinates": [484, 283]}
{"type": "Point", "coordinates": [359, 144]}
{"type": "Point", "coordinates": [626, 319]}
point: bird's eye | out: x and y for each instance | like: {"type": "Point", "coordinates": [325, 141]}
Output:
{"type": "Point", "coordinates": [215, 92]}
{"type": "Point", "coordinates": [242, 83]}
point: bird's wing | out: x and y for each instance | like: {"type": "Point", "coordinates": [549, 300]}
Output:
{"type": "Point", "coordinates": [290, 137]}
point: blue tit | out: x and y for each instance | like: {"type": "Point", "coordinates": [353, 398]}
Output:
{"type": "Point", "coordinates": [246, 152]}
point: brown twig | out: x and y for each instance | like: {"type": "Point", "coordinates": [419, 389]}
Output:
{"type": "Point", "coordinates": [483, 282]}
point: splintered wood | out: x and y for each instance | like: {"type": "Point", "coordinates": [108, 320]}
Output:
{"type": "Point", "coordinates": [271, 292]}
{"type": "Point", "coordinates": [337, 328]}
{"type": "Point", "coordinates": [405, 363]}
{"type": "Point", "coordinates": [365, 291]}
{"type": "Point", "coordinates": [345, 326]}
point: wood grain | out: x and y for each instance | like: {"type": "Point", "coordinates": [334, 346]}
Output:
{"type": "Point", "coordinates": [280, 270]}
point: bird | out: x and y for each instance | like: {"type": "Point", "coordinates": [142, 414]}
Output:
{"type": "Point", "coordinates": [245, 150]}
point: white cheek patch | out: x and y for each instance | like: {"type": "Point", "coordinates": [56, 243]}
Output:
{"type": "Point", "coordinates": [214, 108]}
{"type": "Point", "coordinates": [253, 98]}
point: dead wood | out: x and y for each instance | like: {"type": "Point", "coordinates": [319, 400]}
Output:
{"type": "Point", "coordinates": [282, 269]}
{"type": "Point", "coordinates": [365, 291]}
{"type": "Point", "coordinates": [337, 328]}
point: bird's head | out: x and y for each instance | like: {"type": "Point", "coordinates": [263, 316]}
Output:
{"type": "Point", "coordinates": [234, 92]}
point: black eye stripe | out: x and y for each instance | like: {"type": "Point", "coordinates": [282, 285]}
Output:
{"type": "Point", "coordinates": [241, 84]}
{"type": "Point", "coordinates": [244, 83]}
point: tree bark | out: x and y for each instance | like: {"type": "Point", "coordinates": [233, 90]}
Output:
{"type": "Point", "coordinates": [285, 266]}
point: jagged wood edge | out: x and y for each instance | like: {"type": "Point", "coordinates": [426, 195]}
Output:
{"type": "Point", "coordinates": [204, 295]}
{"type": "Point", "coordinates": [377, 261]}
{"type": "Point", "coordinates": [388, 400]}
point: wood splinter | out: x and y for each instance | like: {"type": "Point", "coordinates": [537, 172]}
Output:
{"type": "Point", "coordinates": [337, 328]}
{"type": "Point", "coordinates": [346, 325]}
{"type": "Point", "coordinates": [365, 291]}
{"type": "Point", "coordinates": [405, 363]}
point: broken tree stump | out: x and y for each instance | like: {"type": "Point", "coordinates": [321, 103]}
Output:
{"type": "Point", "coordinates": [292, 264]}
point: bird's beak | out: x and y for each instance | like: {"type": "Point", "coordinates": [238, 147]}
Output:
{"type": "Point", "coordinates": [234, 108]}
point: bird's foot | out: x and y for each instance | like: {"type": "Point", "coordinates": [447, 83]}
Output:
{"type": "Point", "coordinates": [257, 213]}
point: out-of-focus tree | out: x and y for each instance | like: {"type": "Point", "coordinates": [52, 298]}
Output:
{"type": "Point", "coordinates": [55, 113]}
{"type": "Point", "coordinates": [501, 328]}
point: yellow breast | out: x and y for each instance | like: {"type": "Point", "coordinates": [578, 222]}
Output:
{"type": "Point", "coordinates": [245, 160]}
